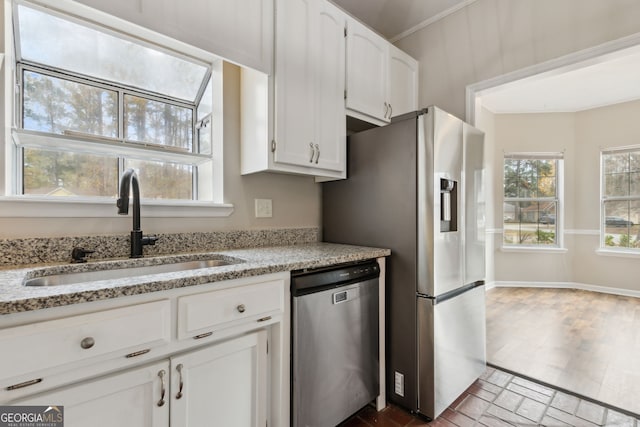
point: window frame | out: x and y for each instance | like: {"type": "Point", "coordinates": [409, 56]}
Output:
{"type": "Point", "coordinates": [16, 204]}
{"type": "Point", "coordinates": [558, 246]}
{"type": "Point", "coordinates": [617, 250]}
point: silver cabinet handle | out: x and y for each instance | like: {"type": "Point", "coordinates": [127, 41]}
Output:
{"type": "Point", "coordinates": [386, 110]}
{"type": "Point", "coordinates": [163, 389]}
{"type": "Point", "coordinates": [313, 152]}
{"type": "Point", "coordinates": [87, 343]}
{"type": "Point", "coordinates": [179, 369]}
{"type": "Point", "coordinates": [390, 111]}
{"type": "Point", "coordinates": [241, 308]}
{"type": "Point", "coordinates": [318, 153]}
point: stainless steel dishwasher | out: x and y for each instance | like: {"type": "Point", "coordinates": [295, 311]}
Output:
{"type": "Point", "coordinates": [335, 369]}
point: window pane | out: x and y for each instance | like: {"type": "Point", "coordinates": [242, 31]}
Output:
{"type": "Point", "coordinates": [530, 178]}
{"type": "Point", "coordinates": [56, 105]}
{"type": "Point", "coordinates": [620, 223]}
{"type": "Point", "coordinates": [57, 42]}
{"type": "Point", "coordinates": [511, 178]}
{"type": "Point", "coordinates": [530, 223]}
{"type": "Point", "coordinates": [63, 174]}
{"type": "Point", "coordinates": [159, 123]}
{"type": "Point", "coordinates": [159, 180]}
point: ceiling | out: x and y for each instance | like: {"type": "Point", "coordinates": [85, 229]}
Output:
{"type": "Point", "coordinates": [599, 83]}
{"type": "Point", "coordinates": [392, 18]}
{"type": "Point", "coordinates": [609, 81]}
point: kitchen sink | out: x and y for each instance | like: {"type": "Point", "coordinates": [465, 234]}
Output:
{"type": "Point", "coordinates": [57, 279]}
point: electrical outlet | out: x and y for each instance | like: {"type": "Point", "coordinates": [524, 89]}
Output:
{"type": "Point", "coordinates": [264, 208]}
{"type": "Point", "coordinates": [399, 384]}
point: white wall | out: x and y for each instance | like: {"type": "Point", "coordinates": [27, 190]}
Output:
{"type": "Point", "coordinates": [489, 38]}
{"type": "Point", "coordinates": [296, 200]}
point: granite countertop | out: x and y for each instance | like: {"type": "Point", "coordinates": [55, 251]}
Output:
{"type": "Point", "coordinates": [14, 297]}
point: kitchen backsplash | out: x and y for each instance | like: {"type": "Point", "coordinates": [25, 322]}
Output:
{"type": "Point", "coordinates": [18, 252]}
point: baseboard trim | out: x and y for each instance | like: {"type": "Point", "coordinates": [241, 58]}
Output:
{"type": "Point", "coordinates": [566, 285]}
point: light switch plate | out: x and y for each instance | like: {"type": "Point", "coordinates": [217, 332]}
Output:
{"type": "Point", "coordinates": [264, 208]}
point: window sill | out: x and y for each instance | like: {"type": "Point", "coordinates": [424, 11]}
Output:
{"type": "Point", "coordinates": [47, 207]}
{"type": "Point", "coordinates": [533, 249]}
{"type": "Point", "coordinates": [618, 253]}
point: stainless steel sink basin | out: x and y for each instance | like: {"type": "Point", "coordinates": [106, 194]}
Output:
{"type": "Point", "coordinates": [125, 272]}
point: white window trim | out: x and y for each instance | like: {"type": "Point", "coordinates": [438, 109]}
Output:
{"type": "Point", "coordinates": [559, 246]}
{"type": "Point", "coordinates": [13, 205]}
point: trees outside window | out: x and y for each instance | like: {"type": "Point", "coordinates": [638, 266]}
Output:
{"type": "Point", "coordinates": [531, 199]}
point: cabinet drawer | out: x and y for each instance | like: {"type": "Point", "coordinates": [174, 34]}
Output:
{"type": "Point", "coordinates": [210, 311]}
{"type": "Point", "coordinates": [53, 343]}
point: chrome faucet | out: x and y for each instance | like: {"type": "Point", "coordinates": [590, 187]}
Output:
{"type": "Point", "coordinates": [129, 178]}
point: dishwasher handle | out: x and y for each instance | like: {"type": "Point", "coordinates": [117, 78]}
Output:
{"type": "Point", "coordinates": [310, 281]}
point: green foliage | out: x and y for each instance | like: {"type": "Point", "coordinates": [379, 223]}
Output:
{"type": "Point", "coordinates": [609, 240]}
{"type": "Point", "coordinates": [546, 237]}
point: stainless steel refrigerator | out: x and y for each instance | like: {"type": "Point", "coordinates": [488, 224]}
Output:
{"type": "Point", "coordinates": [416, 186]}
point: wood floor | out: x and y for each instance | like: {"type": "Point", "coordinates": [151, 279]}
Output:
{"type": "Point", "coordinates": [584, 342]}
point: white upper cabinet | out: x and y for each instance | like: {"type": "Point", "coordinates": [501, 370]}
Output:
{"type": "Point", "coordinates": [403, 82]}
{"type": "Point", "coordinates": [240, 31]}
{"type": "Point", "coordinates": [367, 72]}
{"type": "Point", "coordinates": [382, 80]}
{"type": "Point", "coordinates": [308, 135]}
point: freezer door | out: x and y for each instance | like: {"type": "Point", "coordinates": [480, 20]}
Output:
{"type": "Point", "coordinates": [440, 204]}
{"type": "Point", "coordinates": [475, 204]}
{"type": "Point", "coordinates": [451, 348]}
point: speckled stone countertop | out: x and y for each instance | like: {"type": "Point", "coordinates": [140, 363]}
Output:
{"type": "Point", "coordinates": [14, 297]}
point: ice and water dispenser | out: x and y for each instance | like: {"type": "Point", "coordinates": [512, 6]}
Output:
{"type": "Point", "coordinates": [448, 205]}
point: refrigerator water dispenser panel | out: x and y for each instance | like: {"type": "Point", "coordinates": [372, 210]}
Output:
{"type": "Point", "coordinates": [448, 205]}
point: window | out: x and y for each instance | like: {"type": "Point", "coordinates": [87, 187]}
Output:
{"type": "Point", "coordinates": [532, 199]}
{"type": "Point", "coordinates": [620, 199]}
{"type": "Point", "coordinates": [93, 101]}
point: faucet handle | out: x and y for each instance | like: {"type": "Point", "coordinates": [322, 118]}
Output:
{"type": "Point", "coordinates": [79, 255]}
{"type": "Point", "coordinates": [149, 240]}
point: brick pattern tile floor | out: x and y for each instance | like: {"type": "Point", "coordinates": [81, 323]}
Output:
{"type": "Point", "coordinates": [500, 399]}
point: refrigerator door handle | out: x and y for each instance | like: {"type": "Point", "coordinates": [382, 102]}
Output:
{"type": "Point", "coordinates": [454, 293]}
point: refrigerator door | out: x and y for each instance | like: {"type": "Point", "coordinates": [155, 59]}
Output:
{"type": "Point", "coordinates": [451, 348]}
{"type": "Point", "coordinates": [440, 204]}
{"type": "Point", "coordinates": [474, 194]}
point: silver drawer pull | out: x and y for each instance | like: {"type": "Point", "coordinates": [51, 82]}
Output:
{"type": "Point", "coordinates": [241, 308]}
{"type": "Point", "coordinates": [163, 389]}
{"type": "Point", "coordinates": [206, 334]}
{"type": "Point", "coordinates": [313, 152]}
{"type": "Point", "coordinates": [179, 369]}
{"type": "Point", "coordinates": [264, 319]}
{"type": "Point", "coordinates": [137, 353]}
{"type": "Point", "coordinates": [24, 384]}
{"type": "Point", "coordinates": [87, 343]}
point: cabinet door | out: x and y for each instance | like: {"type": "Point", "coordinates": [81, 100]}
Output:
{"type": "Point", "coordinates": [131, 398]}
{"type": "Point", "coordinates": [294, 84]}
{"type": "Point", "coordinates": [366, 72]}
{"type": "Point", "coordinates": [403, 82]}
{"type": "Point", "coordinates": [331, 124]}
{"type": "Point", "coordinates": [224, 384]}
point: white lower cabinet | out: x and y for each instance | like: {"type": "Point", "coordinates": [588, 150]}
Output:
{"type": "Point", "coordinates": [133, 398]}
{"type": "Point", "coordinates": [224, 384]}
{"type": "Point", "coordinates": [198, 357]}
